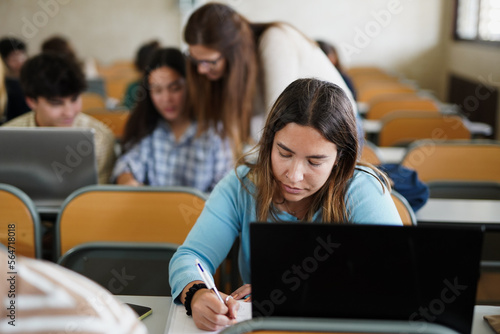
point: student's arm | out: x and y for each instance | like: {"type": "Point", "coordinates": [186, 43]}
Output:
{"type": "Point", "coordinates": [369, 203]}
{"type": "Point", "coordinates": [127, 179]}
{"type": "Point", "coordinates": [209, 240]}
{"type": "Point", "coordinates": [105, 153]}
{"type": "Point", "coordinates": [130, 167]}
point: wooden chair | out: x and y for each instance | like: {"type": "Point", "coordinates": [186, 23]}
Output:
{"type": "Point", "coordinates": [381, 108]}
{"type": "Point", "coordinates": [477, 160]}
{"type": "Point", "coordinates": [129, 214]}
{"type": "Point", "coordinates": [370, 154]}
{"type": "Point", "coordinates": [92, 100]}
{"type": "Point", "coordinates": [146, 264]}
{"type": "Point", "coordinates": [371, 92]}
{"type": "Point", "coordinates": [114, 119]}
{"type": "Point", "coordinates": [402, 128]}
{"type": "Point", "coordinates": [404, 209]}
{"type": "Point", "coordinates": [19, 220]}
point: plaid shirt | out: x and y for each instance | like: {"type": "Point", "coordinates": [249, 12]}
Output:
{"type": "Point", "coordinates": [159, 160]}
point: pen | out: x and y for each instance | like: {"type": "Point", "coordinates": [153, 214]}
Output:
{"type": "Point", "coordinates": [208, 280]}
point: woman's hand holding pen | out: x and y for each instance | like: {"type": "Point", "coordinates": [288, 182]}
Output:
{"type": "Point", "coordinates": [243, 292]}
{"type": "Point", "coordinates": [209, 313]}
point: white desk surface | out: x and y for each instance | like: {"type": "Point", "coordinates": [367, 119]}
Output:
{"type": "Point", "coordinates": [476, 128]}
{"type": "Point", "coordinates": [460, 211]}
{"type": "Point", "coordinates": [157, 322]}
{"type": "Point", "coordinates": [479, 325]}
{"type": "Point", "coordinates": [391, 155]}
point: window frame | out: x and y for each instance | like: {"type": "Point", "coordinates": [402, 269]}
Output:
{"type": "Point", "coordinates": [475, 40]}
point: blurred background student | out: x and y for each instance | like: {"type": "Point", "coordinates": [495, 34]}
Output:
{"type": "Point", "coordinates": [53, 85]}
{"type": "Point", "coordinates": [53, 299]}
{"type": "Point", "coordinates": [134, 91]}
{"type": "Point", "coordinates": [333, 56]}
{"type": "Point", "coordinates": [238, 68]}
{"type": "Point", "coordinates": [162, 145]}
{"type": "Point", "coordinates": [13, 52]}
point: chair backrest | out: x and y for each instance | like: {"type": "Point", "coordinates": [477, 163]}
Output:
{"type": "Point", "coordinates": [19, 222]}
{"type": "Point", "coordinates": [370, 154]}
{"type": "Point", "coordinates": [404, 209]}
{"type": "Point", "coordinates": [369, 93]}
{"type": "Point", "coordinates": [464, 190]}
{"type": "Point", "coordinates": [124, 268]}
{"type": "Point", "coordinates": [92, 100]}
{"type": "Point", "coordinates": [476, 160]}
{"type": "Point", "coordinates": [379, 109]}
{"type": "Point", "coordinates": [115, 120]}
{"type": "Point", "coordinates": [405, 127]}
{"type": "Point", "coordinates": [131, 214]}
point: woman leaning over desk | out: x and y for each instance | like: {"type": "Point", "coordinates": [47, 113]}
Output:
{"type": "Point", "coordinates": [238, 68]}
{"type": "Point", "coordinates": [306, 170]}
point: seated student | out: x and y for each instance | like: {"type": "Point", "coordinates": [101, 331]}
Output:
{"type": "Point", "coordinates": [51, 299]}
{"type": "Point", "coordinates": [162, 144]}
{"type": "Point", "coordinates": [53, 84]}
{"type": "Point", "coordinates": [134, 90]}
{"type": "Point", "coordinates": [13, 52]}
{"type": "Point", "coordinates": [331, 53]}
{"type": "Point", "coordinates": [306, 171]}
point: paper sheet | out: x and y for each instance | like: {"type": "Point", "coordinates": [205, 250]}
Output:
{"type": "Point", "coordinates": [180, 323]}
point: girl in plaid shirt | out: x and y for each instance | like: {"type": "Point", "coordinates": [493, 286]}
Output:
{"type": "Point", "coordinates": [162, 144]}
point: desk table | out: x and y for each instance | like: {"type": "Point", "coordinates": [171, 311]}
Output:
{"type": "Point", "coordinates": [157, 322]}
{"type": "Point", "coordinates": [440, 210]}
{"type": "Point", "coordinates": [373, 126]}
{"type": "Point", "coordinates": [479, 325]}
{"type": "Point", "coordinates": [391, 155]}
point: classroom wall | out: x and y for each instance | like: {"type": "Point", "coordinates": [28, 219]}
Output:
{"type": "Point", "coordinates": [399, 35]}
{"type": "Point", "coordinates": [107, 30]}
{"type": "Point", "coordinates": [477, 62]}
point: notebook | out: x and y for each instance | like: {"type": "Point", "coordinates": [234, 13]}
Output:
{"type": "Point", "coordinates": [46, 163]}
{"type": "Point", "coordinates": [416, 274]}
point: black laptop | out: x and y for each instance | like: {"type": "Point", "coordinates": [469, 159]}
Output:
{"type": "Point", "coordinates": [415, 274]}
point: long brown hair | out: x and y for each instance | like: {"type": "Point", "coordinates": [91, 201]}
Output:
{"type": "Point", "coordinates": [144, 118]}
{"type": "Point", "coordinates": [228, 100]}
{"type": "Point", "coordinates": [325, 107]}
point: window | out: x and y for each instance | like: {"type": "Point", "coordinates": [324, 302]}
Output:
{"type": "Point", "coordinates": [478, 20]}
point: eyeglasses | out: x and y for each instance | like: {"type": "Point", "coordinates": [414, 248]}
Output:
{"type": "Point", "coordinates": [206, 63]}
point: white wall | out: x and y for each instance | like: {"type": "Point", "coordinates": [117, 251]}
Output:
{"type": "Point", "coordinates": [107, 30]}
{"type": "Point", "coordinates": [400, 35]}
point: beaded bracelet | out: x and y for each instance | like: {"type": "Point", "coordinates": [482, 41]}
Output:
{"type": "Point", "coordinates": [189, 296]}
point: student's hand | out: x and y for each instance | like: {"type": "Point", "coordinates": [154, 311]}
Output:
{"type": "Point", "coordinates": [127, 179]}
{"type": "Point", "coordinates": [209, 313]}
{"type": "Point", "coordinates": [242, 292]}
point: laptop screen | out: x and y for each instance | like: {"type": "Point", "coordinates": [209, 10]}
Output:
{"type": "Point", "coordinates": [47, 164]}
{"type": "Point", "coordinates": [415, 274]}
